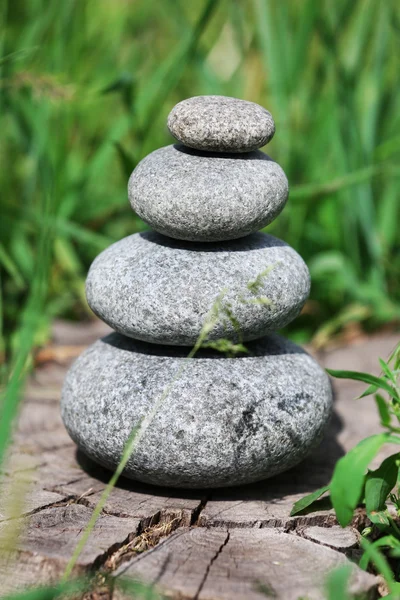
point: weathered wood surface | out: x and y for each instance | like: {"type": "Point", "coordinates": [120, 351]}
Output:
{"type": "Point", "coordinates": [243, 563]}
{"type": "Point", "coordinates": [234, 543]}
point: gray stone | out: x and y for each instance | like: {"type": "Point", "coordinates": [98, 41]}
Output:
{"type": "Point", "coordinates": [221, 124]}
{"type": "Point", "coordinates": [225, 421]}
{"type": "Point", "coordinates": [207, 197]}
{"type": "Point", "coordinates": [160, 290]}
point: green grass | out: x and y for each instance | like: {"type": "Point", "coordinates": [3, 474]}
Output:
{"type": "Point", "coordinates": [353, 484]}
{"type": "Point", "coordinates": [85, 88]}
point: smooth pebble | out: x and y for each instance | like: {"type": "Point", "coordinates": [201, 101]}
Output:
{"type": "Point", "coordinates": [221, 124]}
{"type": "Point", "coordinates": [225, 421]}
{"type": "Point", "coordinates": [159, 290]}
{"type": "Point", "coordinates": [205, 198]}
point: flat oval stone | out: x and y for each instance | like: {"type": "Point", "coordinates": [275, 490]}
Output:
{"type": "Point", "coordinates": [221, 124]}
{"type": "Point", "coordinates": [203, 197]}
{"type": "Point", "coordinates": [160, 290]}
{"type": "Point", "coordinates": [225, 421]}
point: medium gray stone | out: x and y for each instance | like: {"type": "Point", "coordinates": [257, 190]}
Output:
{"type": "Point", "coordinates": [225, 421]}
{"type": "Point", "coordinates": [221, 124]}
{"type": "Point", "coordinates": [207, 197]}
{"type": "Point", "coordinates": [160, 290]}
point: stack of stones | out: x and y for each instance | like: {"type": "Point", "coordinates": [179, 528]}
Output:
{"type": "Point", "coordinates": [224, 419]}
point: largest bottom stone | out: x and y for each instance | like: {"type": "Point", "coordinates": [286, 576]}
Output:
{"type": "Point", "coordinates": [221, 422]}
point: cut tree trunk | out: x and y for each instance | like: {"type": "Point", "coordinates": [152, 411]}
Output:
{"type": "Point", "coordinates": [237, 543]}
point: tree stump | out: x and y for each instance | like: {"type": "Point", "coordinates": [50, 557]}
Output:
{"type": "Point", "coordinates": [221, 544]}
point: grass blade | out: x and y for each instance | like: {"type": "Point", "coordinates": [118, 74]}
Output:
{"type": "Point", "coordinates": [371, 552]}
{"type": "Point", "coordinates": [31, 318]}
{"type": "Point", "coordinates": [129, 446]}
{"type": "Point", "coordinates": [377, 382]}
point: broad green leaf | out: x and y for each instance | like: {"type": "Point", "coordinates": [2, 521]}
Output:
{"type": "Point", "coordinates": [349, 475]}
{"type": "Point", "coordinates": [379, 484]}
{"type": "Point", "coordinates": [383, 409]}
{"type": "Point", "coordinates": [307, 501]}
{"type": "Point", "coordinates": [378, 382]}
{"type": "Point", "coordinates": [337, 583]}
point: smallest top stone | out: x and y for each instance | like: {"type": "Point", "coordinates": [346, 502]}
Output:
{"type": "Point", "coordinates": [221, 124]}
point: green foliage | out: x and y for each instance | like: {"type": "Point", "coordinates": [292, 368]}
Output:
{"type": "Point", "coordinates": [348, 478]}
{"type": "Point", "coordinates": [378, 486]}
{"type": "Point", "coordinates": [84, 93]}
{"type": "Point", "coordinates": [372, 552]}
{"type": "Point", "coordinates": [29, 324]}
{"type": "Point", "coordinates": [352, 484]}
{"type": "Point", "coordinates": [301, 505]}
{"type": "Point", "coordinates": [226, 347]}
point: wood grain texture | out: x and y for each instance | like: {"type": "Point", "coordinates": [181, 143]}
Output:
{"type": "Point", "coordinates": [222, 542]}
{"type": "Point", "coordinates": [246, 563]}
{"type": "Point", "coordinates": [334, 537]}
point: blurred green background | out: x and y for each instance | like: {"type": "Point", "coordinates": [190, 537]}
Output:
{"type": "Point", "coordinates": [86, 86]}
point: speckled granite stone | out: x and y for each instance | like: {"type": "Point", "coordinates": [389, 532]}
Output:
{"type": "Point", "coordinates": [157, 289]}
{"type": "Point", "coordinates": [199, 197]}
{"type": "Point", "coordinates": [221, 124]}
{"type": "Point", "coordinates": [226, 421]}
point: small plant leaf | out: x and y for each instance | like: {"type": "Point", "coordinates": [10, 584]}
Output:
{"type": "Point", "coordinates": [226, 347]}
{"type": "Point", "coordinates": [379, 484]}
{"type": "Point", "coordinates": [393, 439]}
{"type": "Point", "coordinates": [380, 519]}
{"type": "Point", "coordinates": [378, 382]}
{"type": "Point", "coordinates": [383, 409]}
{"type": "Point", "coordinates": [387, 371]}
{"type": "Point", "coordinates": [371, 389]}
{"type": "Point", "coordinates": [307, 501]}
{"type": "Point", "coordinates": [349, 476]}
